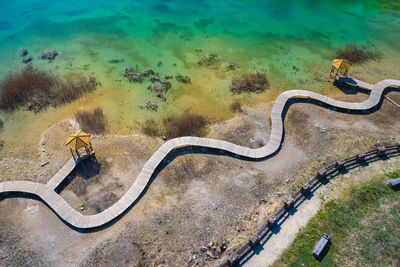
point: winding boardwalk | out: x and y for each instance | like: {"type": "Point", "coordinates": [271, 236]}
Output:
{"type": "Point", "coordinates": [47, 191]}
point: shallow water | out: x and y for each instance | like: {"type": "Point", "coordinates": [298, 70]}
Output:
{"type": "Point", "coordinates": [292, 41]}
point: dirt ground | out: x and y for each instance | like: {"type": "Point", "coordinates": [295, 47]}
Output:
{"type": "Point", "coordinates": [195, 205]}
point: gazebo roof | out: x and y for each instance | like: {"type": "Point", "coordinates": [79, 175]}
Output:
{"type": "Point", "coordinates": [341, 64]}
{"type": "Point", "coordinates": [78, 140]}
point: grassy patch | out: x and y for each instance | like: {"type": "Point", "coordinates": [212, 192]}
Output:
{"type": "Point", "coordinates": [363, 225]}
{"type": "Point", "coordinates": [92, 121]}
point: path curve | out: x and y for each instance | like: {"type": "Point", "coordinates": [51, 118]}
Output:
{"type": "Point", "coordinates": [76, 219]}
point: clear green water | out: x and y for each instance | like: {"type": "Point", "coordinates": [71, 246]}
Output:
{"type": "Point", "coordinates": [269, 35]}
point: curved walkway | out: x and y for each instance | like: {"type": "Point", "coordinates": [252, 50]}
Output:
{"type": "Point", "coordinates": [74, 218]}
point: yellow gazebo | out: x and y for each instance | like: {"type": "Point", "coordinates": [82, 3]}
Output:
{"type": "Point", "coordinates": [79, 143]}
{"type": "Point", "coordinates": [340, 67]}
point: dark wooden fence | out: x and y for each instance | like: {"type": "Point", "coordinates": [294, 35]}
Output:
{"type": "Point", "coordinates": [244, 249]}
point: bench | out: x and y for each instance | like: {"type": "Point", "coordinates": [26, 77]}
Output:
{"type": "Point", "coordinates": [395, 183]}
{"type": "Point", "coordinates": [320, 247]}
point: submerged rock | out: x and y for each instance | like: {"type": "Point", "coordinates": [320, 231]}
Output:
{"type": "Point", "coordinates": [182, 79]}
{"type": "Point", "coordinates": [148, 72]}
{"type": "Point", "coordinates": [154, 78]}
{"type": "Point", "coordinates": [114, 60]}
{"type": "Point", "coordinates": [133, 75]}
{"type": "Point", "coordinates": [232, 67]}
{"type": "Point", "coordinates": [150, 105]}
{"type": "Point", "coordinates": [50, 55]}
{"type": "Point", "coordinates": [27, 59]}
{"type": "Point", "coordinates": [23, 52]}
{"type": "Point", "coordinates": [160, 89]}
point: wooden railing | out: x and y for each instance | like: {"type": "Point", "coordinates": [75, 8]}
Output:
{"type": "Point", "coordinates": [340, 165]}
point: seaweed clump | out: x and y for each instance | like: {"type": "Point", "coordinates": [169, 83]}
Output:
{"type": "Point", "coordinates": [357, 55]}
{"type": "Point", "coordinates": [92, 121]}
{"type": "Point", "coordinates": [39, 89]}
{"type": "Point", "coordinates": [253, 83]}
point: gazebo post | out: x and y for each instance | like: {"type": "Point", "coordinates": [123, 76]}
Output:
{"type": "Point", "coordinates": [72, 153]}
{"type": "Point", "coordinates": [91, 148]}
{"type": "Point", "coordinates": [79, 156]}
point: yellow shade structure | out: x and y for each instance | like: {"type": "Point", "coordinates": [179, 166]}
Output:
{"type": "Point", "coordinates": [77, 141]}
{"type": "Point", "coordinates": [340, 68]}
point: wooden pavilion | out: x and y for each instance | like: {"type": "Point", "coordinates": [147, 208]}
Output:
{"type": "Point", "coordinates": [80, 146]}
{"type": "Point", "coordinates": [339, 69]}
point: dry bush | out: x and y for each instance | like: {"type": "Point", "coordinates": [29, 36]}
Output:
{"type": "Point", "coordinates": [29, 84]}
{"type": "Point", "coordinates": [186, 124]}
{"type": "Point", "coordinates": [92, 121]}
{"type": "Point", "coordinates": [236, 107]}
{"type": "Point", "coordinates": [1, 125]}
{"type": "Point", "coordinates": [150, 128]}
{"type": "Point", "coordinates": [356, 55]}
{"type": "Point", "coordinates": [39, 89]}
{"type": "Point", "coordinates": [253, 83]}
{"type": "Point", "coordinates": [70, 89]}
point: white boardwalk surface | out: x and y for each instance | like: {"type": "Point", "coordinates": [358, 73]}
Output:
{"type": "Point", "coordinates": [76, 219]}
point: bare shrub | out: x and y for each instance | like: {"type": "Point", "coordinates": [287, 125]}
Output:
{"type": "Point", "coordinates": [186, 124]}
{"type": "Point", "coordinates": [253, 83]}
{"type": "Point", "coordinates": [184, 170]}
{"type": "Point", "coordinates": [357, 55]}
{"type": "Point", "coordinates": [39, 89]}
{"type": "Point", "coordinates": [1, 125]}
{"type": "Point", "coordinates": [92, 121]}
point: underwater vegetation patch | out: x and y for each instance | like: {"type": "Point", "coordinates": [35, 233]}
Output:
{"type": "Point", "coordinates": [357, 55]}
{"type": "Point", "coordinates": [253, 83]}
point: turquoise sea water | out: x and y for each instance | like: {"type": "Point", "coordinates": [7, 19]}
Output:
{"type": "Point", "coordinates": [292, 41]}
